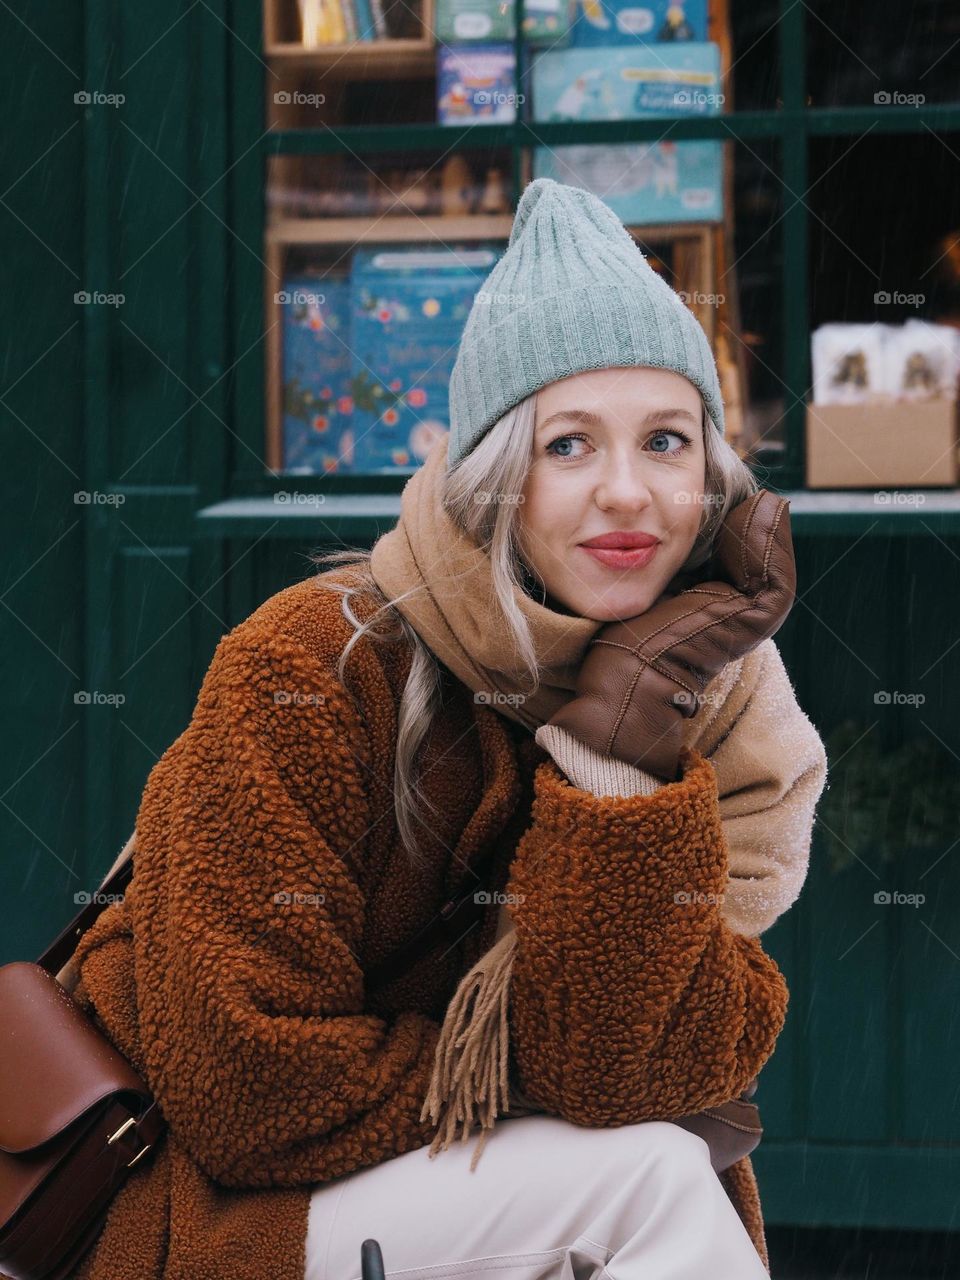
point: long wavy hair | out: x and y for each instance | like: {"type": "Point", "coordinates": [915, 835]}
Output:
{"type": "Point", "coordinates": [498, 467]}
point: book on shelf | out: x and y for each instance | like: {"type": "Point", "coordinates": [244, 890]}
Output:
{"type": "Point", "coordinates": [326, 22]}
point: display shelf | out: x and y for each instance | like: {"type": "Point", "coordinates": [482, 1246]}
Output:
{"type": "Point", "coordinates": [370, 59]}
{"type": "Point", "coordinates": [388, 228]}
{"type": "Point", "coordinates": [359, 515]}
{"type": "Point", "coordinates": [737, 125]}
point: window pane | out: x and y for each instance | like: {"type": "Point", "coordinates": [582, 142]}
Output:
{"type": "Point", "coordinates": [453, 61]}
{"type": "Point", "coordinates": [860, 52]}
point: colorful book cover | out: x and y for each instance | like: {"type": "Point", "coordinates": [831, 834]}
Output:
{"type": "Point", "coordinates": [463, 20]}
{"type": "Point", "coordinates": [476, 84]}
{"type": "Point", "coordinates": [613, 22]}
{"type": "Point", "coordinates": [317, 400]}
{"type": "Point", "coordinates": [366, 27]}
{"type": "Point", "coordinates": [408, 308]}
{"type": "Point", "coordinates": [643, 182]}
{"type": "Point", "coordinates": [626, 83]}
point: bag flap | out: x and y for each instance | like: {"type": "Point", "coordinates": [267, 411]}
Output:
{"type": "Point", "coordinates": [54, 1063]}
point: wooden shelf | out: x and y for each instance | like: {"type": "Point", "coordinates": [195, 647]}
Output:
{"type": "Point", "coordinates": [401, 228]}
{"type": "Point", "coordinates": [361, 59]}
{"type": "Point", "coordinates": [388, 229]}
{"type": "Point", "coordinates": [395, 58]}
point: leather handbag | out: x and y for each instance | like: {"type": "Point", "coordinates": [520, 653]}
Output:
{"type": "Point", "coordinates": [75, 1117]}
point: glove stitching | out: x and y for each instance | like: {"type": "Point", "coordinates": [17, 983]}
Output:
{"type": "Point", "coordinates": [651, 661]}
{"type": "Point", "coordinates": [744, 577]}
{"type": "Point", "coordinates": [768, 552]}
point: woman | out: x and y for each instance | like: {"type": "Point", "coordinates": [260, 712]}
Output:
{"type": "Point", "coordinates": [603, 751]}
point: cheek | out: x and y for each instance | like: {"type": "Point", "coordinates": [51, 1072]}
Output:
{"type": "Point", "coordinates": [547, 506]}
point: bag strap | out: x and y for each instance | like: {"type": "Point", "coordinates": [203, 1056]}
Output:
{"type": "Point", "coordinates": [117, 879]}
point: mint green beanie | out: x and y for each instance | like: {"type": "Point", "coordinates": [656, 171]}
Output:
{"type": "Point", "coordinates": [572, 292]}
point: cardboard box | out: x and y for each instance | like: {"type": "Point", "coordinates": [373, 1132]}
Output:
{"type": "Point", "coordinates": [879, 445]}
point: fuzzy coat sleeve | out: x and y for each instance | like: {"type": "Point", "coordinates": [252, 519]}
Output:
{"type": "Point", "coordinates": [771, 769]}
{"type": "Point", "coordinates": [632, 999]}
{"type": "Point", "coordinates": [247, 911]}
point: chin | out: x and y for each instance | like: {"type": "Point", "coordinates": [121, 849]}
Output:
{"type": "Point", "coordinates": [615, 607]}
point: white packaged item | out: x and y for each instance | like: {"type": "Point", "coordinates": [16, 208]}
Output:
{"type": "Point", "coordinates": [922, 361]}
{"type": "Point", "coordinates": [848, 363]}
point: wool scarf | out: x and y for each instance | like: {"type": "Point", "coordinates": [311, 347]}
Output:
{"type": "Point", "coordinates": [454, 609]}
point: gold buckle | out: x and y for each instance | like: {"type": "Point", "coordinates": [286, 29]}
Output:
{"type": "Point", "coordinates": [122, 1130]}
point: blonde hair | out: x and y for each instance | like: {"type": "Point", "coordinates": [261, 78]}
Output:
{"type": "Point", "coordinates": [497, 467]}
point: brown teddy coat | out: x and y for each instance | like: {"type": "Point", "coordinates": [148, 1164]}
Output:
{"type": "Point", "coordinates": [269, 877]}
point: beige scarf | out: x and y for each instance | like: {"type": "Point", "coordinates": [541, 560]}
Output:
{"type": "Point", "coordinates": [456, 613]}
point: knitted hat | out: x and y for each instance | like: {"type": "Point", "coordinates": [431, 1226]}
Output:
{"type": "Point", "coordinates": [572, 292]}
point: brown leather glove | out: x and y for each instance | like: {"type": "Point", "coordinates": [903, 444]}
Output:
{"type": "Point", "coordinates": [641, 678]}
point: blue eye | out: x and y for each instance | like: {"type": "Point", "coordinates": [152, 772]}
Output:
{"type": "Point", "coordinates": [560, 440]}
{"type": "Point", "coordinates": [680, 436]}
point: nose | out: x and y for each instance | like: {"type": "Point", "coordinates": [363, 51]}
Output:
{"type": "Point", "coordinates": [623, 485]}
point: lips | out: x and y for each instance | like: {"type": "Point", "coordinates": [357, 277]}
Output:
{"type": "Point", "coordinates": [622, 557]}
{"type": "Point", "coordinates": [622, 541]}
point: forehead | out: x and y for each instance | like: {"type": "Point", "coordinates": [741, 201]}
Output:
{"type": "Point", "coordinates": [628, 394]}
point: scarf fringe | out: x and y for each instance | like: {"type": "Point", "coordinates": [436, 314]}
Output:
{"type": "Point", "coordinates": [470, 1082]}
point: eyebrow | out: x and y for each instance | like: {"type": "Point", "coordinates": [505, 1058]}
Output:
{"type": "Point", "coordinates": [589, 419]}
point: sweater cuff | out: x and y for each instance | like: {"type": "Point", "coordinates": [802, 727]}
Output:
{"type": "Point", "coordinates": [590, 770]}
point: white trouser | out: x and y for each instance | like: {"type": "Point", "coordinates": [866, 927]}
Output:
{"type": "Point", "coordinates": [548, 1200]}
